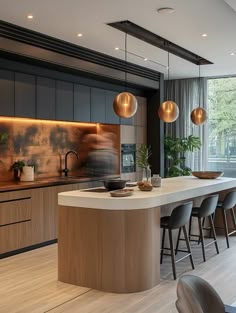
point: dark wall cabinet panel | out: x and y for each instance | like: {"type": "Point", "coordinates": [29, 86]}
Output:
{"type": "Point", "coordinates": [82, 103]}
{"type": "Point", "coordinates": [46, 98]}
{"type": "Point", "coordinates": [111, 117]}
{"type": "Point", "coordinates": [64, 101]}
{"type": "Point", "coordinates": [24, 95]}
{"type": "Point", "coordinates": [6, 93]}
{"type": "Point", "coordinates": [98, 105]}
{"type": "Point", "coordinates": [126, 121]}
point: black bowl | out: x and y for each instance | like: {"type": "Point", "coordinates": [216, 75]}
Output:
{"type": "Point", "coordinates": [114, 184]}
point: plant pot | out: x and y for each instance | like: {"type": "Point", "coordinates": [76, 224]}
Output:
{"type": "Point", "coordinates": [27, 173]}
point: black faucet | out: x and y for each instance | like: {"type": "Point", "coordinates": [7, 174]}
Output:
{"type": "Point", "coordinates": [66, 170]}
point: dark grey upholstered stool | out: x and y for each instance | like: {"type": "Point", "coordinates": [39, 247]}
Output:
{"type": "Point", "coordinates": [196, 295]}
{"type": "Point", "coordinates": [177, 220]}
{"type": "Point", "coordinates": [206, 209]}
{"type": "Point", "coordinates": [228, 205]}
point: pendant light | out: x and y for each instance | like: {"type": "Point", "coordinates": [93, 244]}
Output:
{"type": "Point", "coordinates": [199, 115]}
{"type": "Point", "coordinates": [125, 104]}
{"type": "Point", "coordinates": [168, 110]}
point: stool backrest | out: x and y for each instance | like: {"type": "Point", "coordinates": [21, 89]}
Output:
{"type": "Point", "coordinates": [195, 295]}
{"type": "Point", "coordinates": [229, 200]}
{"type": "Point", "coordinates": [180, 215]}
{"type": "Point", "coordinates": [208, 206]}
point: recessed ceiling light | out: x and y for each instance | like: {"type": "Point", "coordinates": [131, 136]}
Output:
{"type": "Point", "coordinates": [79, 35]}
{"type": "Point", "coordinates": [232, 53]}
{"type": "Point", "coordinates": [145, 59]}
{"type": "Point", "coordinates": [30, 16]}
{"type": "Point", "coordinates": [165, 10]}
{"type": "Point", "coordinates": [117, 48]}
{"type": "Point", "coordinates": [204, 35]}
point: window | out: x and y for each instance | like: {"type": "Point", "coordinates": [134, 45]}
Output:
{"type": "Point", "coordinates": [222, 125]}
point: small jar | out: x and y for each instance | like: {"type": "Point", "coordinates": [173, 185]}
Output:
{"type": "Point", "coordinates": [156, 180]}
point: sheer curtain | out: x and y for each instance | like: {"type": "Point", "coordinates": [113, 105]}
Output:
{"type": "Point", "coordinates": [186, 92]}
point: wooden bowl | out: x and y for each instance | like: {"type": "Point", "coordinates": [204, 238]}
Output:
{"type": "Point", "coordinates": [207, 174]}
{"type": "Point", "coordinates": [145, 188]}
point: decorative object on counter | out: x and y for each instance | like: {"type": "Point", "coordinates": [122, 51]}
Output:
{"type": "Point", "coordinates": [199, 114]}
{"type": "Point", "coordinates": [168, 110]}
{"type": "Point", "coordinates": [175, 149]}
{"type": "Point", "coordinates": [125, 104]}
{"type": "Point", "coordinates": [142, 157]}
{"type": "Point", "coordinates": [122, 193]}
{"type": "Point", "coordinates": [156, 180]}
{"type": "Point", "coordinates": [207, 174]}
{"type": "Point", "coordinates": [144, 185]}
{"type": "Point", "coordinates": [17, 168]}
{"type": "Point", "coordinates": [114, 184]}
{"type": "Point", "coordinates": [27, 173]}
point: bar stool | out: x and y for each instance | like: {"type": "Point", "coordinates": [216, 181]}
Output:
{"type": "Point", "coordinates": [206, 209]}
{"type": "Point", "coordinates": [177, 220]}
{"type": "Point", "coordinates": [228, 204]}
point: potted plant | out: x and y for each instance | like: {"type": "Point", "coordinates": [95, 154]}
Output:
{"type": "Point", "coordinates": [175, 149]}
{"type": "Point", "coordinates": [143, 154]}
{"type": "Point", "coordinates": [17, 168]}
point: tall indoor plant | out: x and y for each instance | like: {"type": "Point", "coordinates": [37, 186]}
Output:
{"type": "Point", "coordinates": [175, 149]}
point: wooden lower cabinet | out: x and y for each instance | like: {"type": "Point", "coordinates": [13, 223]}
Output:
{"type": "Point", "coordinates": [29, 217]}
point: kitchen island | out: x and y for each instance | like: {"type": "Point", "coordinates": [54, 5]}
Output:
{"type": "Point", "coordinates": [113, 244]}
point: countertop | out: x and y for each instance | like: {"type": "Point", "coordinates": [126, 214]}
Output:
{"type": "Point", "coordinates": [172, 190]}
{"type": "Point", "coordinates": [46, 182]}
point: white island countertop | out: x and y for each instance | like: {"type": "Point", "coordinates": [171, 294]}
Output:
{"type": "Point", "coordinates": [172, 190]}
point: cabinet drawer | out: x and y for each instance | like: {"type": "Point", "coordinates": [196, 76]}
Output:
{"type": "Point", "coordinates": [15, 236]}
{"type": "Point", "coordinates": [15, 211]}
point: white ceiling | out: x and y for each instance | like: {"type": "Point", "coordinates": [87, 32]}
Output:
{"type": "Point", "coordinates": [65, 18]}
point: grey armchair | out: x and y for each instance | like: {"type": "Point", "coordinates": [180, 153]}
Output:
{"type": "Point", "coordinates": [195, 295]}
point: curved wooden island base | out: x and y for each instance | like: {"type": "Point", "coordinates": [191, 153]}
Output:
{"type": "Point", "coordinates": [114, 251]}
{"type": "Point", "coordinates": [113, 244]}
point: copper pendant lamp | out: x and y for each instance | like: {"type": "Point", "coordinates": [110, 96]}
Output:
{"type": "Point", "coordinates": [168, 110]}
{"type": "Point", "coordinates": [125, 104]}
{"type": "Point", "coordinates": [199, 115]}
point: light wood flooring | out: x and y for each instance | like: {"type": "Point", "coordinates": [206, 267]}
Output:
{"type": "Point", "coordinates": [28, 284]}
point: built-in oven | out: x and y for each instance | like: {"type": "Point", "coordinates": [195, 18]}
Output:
{"type": "Point", "coordinates": [128, 158]}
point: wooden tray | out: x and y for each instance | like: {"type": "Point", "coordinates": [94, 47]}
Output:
{"type": "Point", "coordinates": [121, 192]}
{"type": "Point", "coordinates": [207, 174]}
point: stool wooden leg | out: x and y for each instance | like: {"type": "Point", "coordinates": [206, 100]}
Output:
{"type": "Point", "coordinates": [213, 232]}
{"type": "Point", "coordinates": [201, 238]}
{"type": "Point", "coordinates": [172, 253]}
{"type": "Point", "coordinates": [225, 227]}
{"type": "Point", "coordinates": [188, 245]}
{"type": "Point", "coordinates": [162, 244]}
{"type": "Point", "coordinates": [177, 242]}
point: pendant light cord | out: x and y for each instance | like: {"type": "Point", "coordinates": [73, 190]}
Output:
{"type": "Point", "coordinates": [199, 82]}
{"type": "Point", "coordinates": [168, 72]}
{"type": "Point", "coordinates": [126, 61]}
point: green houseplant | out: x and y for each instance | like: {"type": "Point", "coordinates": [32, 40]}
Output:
{"type": "Point", "coordinates": [142, 157]}
{"type": "Point", "coordinates": [175, 149]}
{"type": "Point", "coordinates": [17, 168]}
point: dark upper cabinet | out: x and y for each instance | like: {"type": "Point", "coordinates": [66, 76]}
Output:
{"type": "Point", "coordinates": [126, 121]}
{"type": "Point", "coordinates": [7, 95]}
{"type": "Point", "coordinates": [98, 105]}
{"type": "Point", "coordinates": [64, 101]}
{"type": "Point", "coordinates": [46, 98]}
{"type": "Point", "coordinates": [82, 101]}
{"type": "Point", "coordinates": [111, 117]}
{"type": "Point", "coordinates": [24, 95]}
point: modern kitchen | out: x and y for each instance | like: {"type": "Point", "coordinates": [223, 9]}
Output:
{"type": "Point", "coordinates": [117, 128]}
